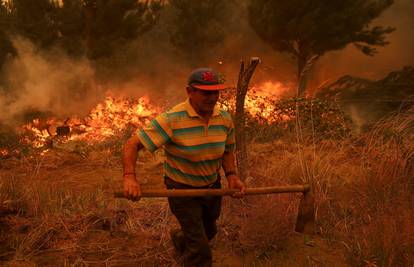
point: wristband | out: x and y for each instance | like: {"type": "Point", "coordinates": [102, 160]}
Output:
{"type": "Point", "coordinates": [230, 173]}
{"type": "Point", "coordinates": [127, 173]}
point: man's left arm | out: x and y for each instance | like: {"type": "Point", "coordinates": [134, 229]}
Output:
{"type": "Point", "coordinates": [229, 166]}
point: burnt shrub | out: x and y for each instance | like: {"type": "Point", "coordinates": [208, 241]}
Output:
{"type": "Point", "coordinates": [269, 118]}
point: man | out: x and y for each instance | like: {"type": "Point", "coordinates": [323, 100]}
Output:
{"type": "Point", "coordinates": [198, 139]}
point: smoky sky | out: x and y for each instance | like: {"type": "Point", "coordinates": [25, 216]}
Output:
{"type": "Point", "coordinates": [393, 57]}
{"type": "Point", "coordinates": [52, 81]}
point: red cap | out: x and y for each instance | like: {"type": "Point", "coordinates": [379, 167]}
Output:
{"type": "Point", "coordinates": [206, 79]}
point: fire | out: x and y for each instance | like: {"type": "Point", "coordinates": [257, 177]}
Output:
{"type": "Point", "coordinates": [260, 101]}
{"type": "Point", "coordinates": [274, 89]}
{"type": "Point", "coordinates": [4, 152]}
{"type": "Point", "coordinates": [39, 131]}
{"type": "Point", "coordinates": [107, 119]}
{"type": "Point", "coordinates": [258, 105]}
{"type": "Point", "coordinates": [114, 115]}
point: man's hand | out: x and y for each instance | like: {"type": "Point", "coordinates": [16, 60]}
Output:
{"type": "Point", "coordinates": [235, 183]}
{"type": "Point", "coordinates": [132, 189]}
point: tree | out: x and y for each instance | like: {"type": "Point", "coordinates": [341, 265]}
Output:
{"type": "Point", "coordinates": [94, 27]}
{"type": "Point", "coordinates": [197, 27]}
{"type": "Point", "coordinates": [307, 29]}
{"type": "Point", "coordinates": [35, 20]}
{"type": "Point", "coordinates": [70, 22]}
{"type": "Point", "coordinates": [109, 23]}
{"type": "Point", "coordinates": [6, 46]}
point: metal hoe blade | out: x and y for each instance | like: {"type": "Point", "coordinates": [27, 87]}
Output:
{"type": "Point", "coordinates": [305, 222]}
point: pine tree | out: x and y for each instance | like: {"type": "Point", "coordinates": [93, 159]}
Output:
{"type": "Point", "coordinates": [307, 29]}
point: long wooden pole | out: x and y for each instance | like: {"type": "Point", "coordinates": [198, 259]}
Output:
{"type": "Point", "coordinates": [219, 192]}
{"type": "Point", "coordinates": [245, 76]}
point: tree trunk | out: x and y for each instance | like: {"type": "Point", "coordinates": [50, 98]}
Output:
{"type": "Point", "coordinates": [305, 64]}
{"type": "Point", "coordinates": [242, 86]}
{"type": "Point", "coordinates": [301, 83]}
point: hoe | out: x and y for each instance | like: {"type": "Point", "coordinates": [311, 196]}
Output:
{"type": "Point", "coordinates": [306, 214]}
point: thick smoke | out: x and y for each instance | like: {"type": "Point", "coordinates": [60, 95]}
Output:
{"type": "Point", "coordinates": [46, 82]}
{"type": "Point", "coordinates": [51, 81]}
{"type": "Point", "coordinates": [397, 54]}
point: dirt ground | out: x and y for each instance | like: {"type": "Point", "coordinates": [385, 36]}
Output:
{"type": "Point", "coordinates": [132, 234]}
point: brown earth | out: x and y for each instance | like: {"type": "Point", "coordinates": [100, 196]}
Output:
{"type": "Point", "coordinates": [37, 232]}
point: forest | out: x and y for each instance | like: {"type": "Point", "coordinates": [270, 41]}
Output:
{"type": "Point", "coordinates": [329, 104]}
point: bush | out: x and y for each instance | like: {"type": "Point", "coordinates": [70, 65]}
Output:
{"type": "Point", "coordinates": [271, 119]}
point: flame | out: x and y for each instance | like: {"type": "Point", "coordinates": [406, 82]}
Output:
{"type": "Point", "coordinates": [259, 106]}
{"type": "Point", "coordinates": [107, 119]}
{"type": "Point", "coordinates": [39, 131]}
{"type": "Point", "coordinates": [114, 115]}
{"type": "Point", "coordinates": [272, 88]}
{"type": "Point", "coordinates": [260, 101]}
{"type": "Point", "coordinates": [4, 152]}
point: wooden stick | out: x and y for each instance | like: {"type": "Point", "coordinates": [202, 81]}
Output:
{"type": "Point", "coordinates": [245, 76]}
{"type": "Point", "coordinates": [218, 192]}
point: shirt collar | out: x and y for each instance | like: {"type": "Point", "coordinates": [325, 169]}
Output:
{"type": "Point", "coordinates": [192, 113]}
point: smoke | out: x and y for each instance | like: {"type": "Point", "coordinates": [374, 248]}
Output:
{"type": "Point", "coordinates": [47, 82]}
{"type": "Point", "coordinates": [242, 43]}
{"type": "Point", "coordinates": [395, 56]}
{"type": "Point", "coordinates": [52, 81]}
{"type": "Point", "coordinates": [152, 65]}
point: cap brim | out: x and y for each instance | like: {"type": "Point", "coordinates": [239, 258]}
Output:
{"type": "Point", "coordinates": [213, 87]}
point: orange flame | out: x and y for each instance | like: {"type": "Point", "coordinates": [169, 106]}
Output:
{"type": "Point", "coordinates": [260, 100]}
{"type": "Point", "coordinates": [4, 152]}
{"type": "Point", "coordinates": [115, 115]}
{"type": "Point", "coordinates": [107, 119]}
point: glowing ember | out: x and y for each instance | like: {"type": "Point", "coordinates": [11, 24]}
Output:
{"type": "Point", "coordinates": [272, 89]}
{"type": "Point", "coordinates": [39, 131]}
{"type": "Point", "coordinates": [258, 106]}
{"type": "Point", "coordinates": [114, 115]}
{"type": "Point", "coordinates": [260, 101]}
{"type": "Point", "coordinates": [4, 152]}
{"type": "Point", "coordinates": [107, 119]}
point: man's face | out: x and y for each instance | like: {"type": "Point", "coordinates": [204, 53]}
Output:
{"type": "Point", "coordinates": [203, 100]}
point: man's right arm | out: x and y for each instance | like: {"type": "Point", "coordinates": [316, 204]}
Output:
{"type": "Point", "coordinates": [132, 187]}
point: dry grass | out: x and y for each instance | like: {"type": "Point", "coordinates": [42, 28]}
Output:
{"type": "Point", "coordinates": [60, 209]}
{"type": "Point", "coordinates": [59, 218]}
{"type": "Point", "coordinates": [363, 187]}
{"type": "Point", "coordinates": [378, 229]}
{"type": "Point", "coordinates": [61, 212]}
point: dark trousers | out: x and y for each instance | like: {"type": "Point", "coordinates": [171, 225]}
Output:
{"type": "Point", "coordinates": [197, 217]}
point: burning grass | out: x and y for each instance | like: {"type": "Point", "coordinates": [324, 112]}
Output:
{"type": "Point", "coordinates": [57, 208]}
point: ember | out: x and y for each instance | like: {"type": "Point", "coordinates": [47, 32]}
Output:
{"type": "Point", "coordinates": [107, 119]}
{"type": "Point", "coordinates": [114, 115]}
{"type": "Point", "coordinates": [4, 152]}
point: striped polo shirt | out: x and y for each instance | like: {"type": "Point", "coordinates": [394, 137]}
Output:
{"type": "Point", "coordinates": [193, 148]}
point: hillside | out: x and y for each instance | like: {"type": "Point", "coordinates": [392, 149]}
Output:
{"type": "Point", "coordinates": [367, 101]}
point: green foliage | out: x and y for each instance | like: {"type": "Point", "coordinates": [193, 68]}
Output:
{"type": "Point", "coordinates": [198, 26]}
{"type": "Point", "coordinates": [275, 118]}
{"type": "Point", "coordinates": [307, 28]}
{"type": "Point", "coordinates": [95, 27]}
{"type": "Point", "coordinates": [319, 119]}
{"type": "Point", "coordinates": [35, 20]}
{"type": "Point", "coordinates": [5, 44]}
{"type": "Point", "coordinates": [71, 23]}
{"type": "Point", "coordinates": [110, 23]}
